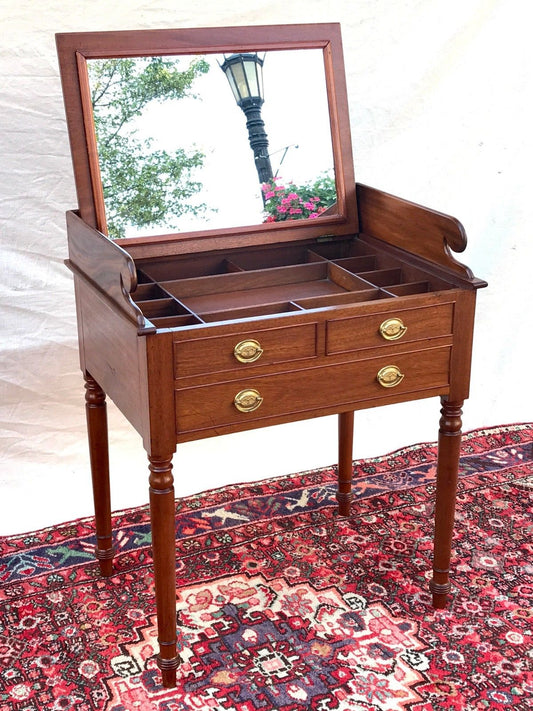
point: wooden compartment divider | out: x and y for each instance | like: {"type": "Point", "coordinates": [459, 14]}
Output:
{"type": "Point", "coordinates": [272, 281]}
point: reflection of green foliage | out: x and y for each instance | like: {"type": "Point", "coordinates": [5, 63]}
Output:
{"type": "Point", "coordinates": [142, 186]}
{"type": "Point", "coordinates": [297, 202]}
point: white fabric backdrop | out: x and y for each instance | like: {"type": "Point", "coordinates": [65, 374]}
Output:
{"type": "Point", "coordinates": [440, 100]}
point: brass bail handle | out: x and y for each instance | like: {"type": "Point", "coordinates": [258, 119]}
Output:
{"type": "Point", "coordinates": [248, 351]}
{"type": "Point", "coordinates": [247, 400]}
{"type": "Point", "coordinates": [392, 329]}
{"type": "Point", "coordinates": [390, 376]}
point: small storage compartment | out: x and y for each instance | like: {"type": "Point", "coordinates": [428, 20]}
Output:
{"type": "Point", "coordinates": [386, 327]}
{"type": "Point", "coordinates": [258, 288]}
{"type": "Point", "coordinates": [245, 284]}
{"type": "Point", "coordinates": [244, 349]}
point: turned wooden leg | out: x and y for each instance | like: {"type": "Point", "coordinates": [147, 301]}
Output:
{"type": "Point", "coordinates": [344, 491]}
{"type": "Point", "coordinates": [96, 411]}
{"type": "Point", "coordinates": [164, 552]}
{"type": "Point", "coordinates": [447, 473]}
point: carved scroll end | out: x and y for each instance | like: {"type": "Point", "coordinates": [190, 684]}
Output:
{"type": "Point", "coordinates": [127, 286]}
{"type": "Point", "coordinates": [457, 265]}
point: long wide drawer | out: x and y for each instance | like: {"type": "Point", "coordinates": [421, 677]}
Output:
{"type": "Point", "coordinates": [319, 388]}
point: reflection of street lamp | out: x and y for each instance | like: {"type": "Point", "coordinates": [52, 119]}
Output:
{"type": "Point", "coordinates": [245, 75]}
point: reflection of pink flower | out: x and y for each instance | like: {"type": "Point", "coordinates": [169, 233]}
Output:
{"type": "Point", "coordinates": [290, 202]}
{"type": "Point", "coordinates": [266, 187]}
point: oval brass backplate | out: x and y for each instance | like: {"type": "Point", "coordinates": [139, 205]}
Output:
{"type": "Point", "coordinates": [392, 329]}
{"type": "Point", "coordinates": [247, 400]}
{"type": "Point", "coordinates": [390, 376]}
{"type": "Point", "coordinates": [248, 351]}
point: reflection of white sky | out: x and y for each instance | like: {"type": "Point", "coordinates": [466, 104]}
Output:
{"type": "Point", "coordinates": [295, 112]}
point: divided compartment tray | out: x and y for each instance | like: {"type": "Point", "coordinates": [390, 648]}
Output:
{"type": "Point", "coordinates": [257, 289]}
{"type": "Point", "coordinates": [209, 288]}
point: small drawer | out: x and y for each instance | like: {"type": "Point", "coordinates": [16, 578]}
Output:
{"type": "Point", "coordinates": [248, 400]}
{"type": "Point", "coordinates": [380, 329]}
{"type": "Point", "coordinates": [244, 349]}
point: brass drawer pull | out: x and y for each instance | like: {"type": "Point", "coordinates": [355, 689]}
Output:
{"type": "Point", "coordinates": [392, 329]}
{"type": "Point", "coordinates": [390, 376]}
{"type": "Point", "coordinates": [247, 400]}
{"type": "Point", "coordinates": [248, 351]}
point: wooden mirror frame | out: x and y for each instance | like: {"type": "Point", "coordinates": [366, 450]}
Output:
{"type": "Point", "coordinates": [74, 49]}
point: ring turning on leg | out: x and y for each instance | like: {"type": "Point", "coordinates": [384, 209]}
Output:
{"type": "Point", "coordinates": [96, 411]}
{"type": "Point", "coordinates": [344, 490]}
{"type": "Point", "coordinates": [164, 552]}
{"type": "Point", "coordinates": [447, 474]}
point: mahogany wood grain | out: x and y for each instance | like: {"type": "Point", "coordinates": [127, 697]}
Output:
{"type": "Point", "coordinates": [113, 352]}
{"type": "Point", "coordinates": [344, 490]}
{"type": "Point", "coordinates": [74, 110]}
{"type": "Point", "coordinates": [164, 552]}
{"type": "Point", "coordinates": [461, 361]}
{"type": "Point", "coordinates": [91, 142]}
{"type": "Point", "coordinates": [412, 227]}
{"type": "Point", "coordinates": [96, 411]}
{"type": "Point", "coordinates": [159, 374]}
{"type": "Point", "coordinates": [359, 332]}
{"type": "Point", "coordinates": [257, 298]}
{"type": "Point", "coordinates": [447, 475]}
{"type": "Point", "coordinates": [215, 354]}
{"type": "Point", "coordinates": [350, 297]}
{"type": "Point", "coordinates": [106, 264]}
{"type": "Point", "coordinates": [222, 284]}
{"type": "Point", "coordinates": [209, 409]}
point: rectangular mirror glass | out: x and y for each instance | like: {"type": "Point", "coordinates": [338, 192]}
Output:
{"type": "Point", "coordinates": [177, 153]}
{"type": "Point", "coordinates": [180, 134]}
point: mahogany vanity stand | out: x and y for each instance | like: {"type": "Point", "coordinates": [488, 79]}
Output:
{"type": "Point", "coordinates": [224, 332]}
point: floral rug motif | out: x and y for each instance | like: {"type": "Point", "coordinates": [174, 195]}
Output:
{"type": "Point", "coordinates": [284, 606]}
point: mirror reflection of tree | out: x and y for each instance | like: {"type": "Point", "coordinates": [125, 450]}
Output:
{"type": "Point", "coordinates": [143, 185]}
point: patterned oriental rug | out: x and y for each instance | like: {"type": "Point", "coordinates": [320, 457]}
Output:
{"type": "Point", "coordinates": [284, 606]}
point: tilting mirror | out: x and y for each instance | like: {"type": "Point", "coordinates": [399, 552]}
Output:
{"type": "Point", "coordinates": [210, 132]}
{"type": "Point", "coordinates": [180, 151]}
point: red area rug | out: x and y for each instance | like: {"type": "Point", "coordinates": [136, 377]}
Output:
{"type": "Point", "coordinates": [284, 606]}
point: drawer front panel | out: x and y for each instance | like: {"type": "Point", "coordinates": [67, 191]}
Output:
{"type": "Point", "coordinates": [211, 406]}
{"type": "Point", "coordinates": [244, 350]}
{"type": "Point", "coordinates": [380, 329]}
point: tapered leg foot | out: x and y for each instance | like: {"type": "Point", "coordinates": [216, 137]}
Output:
{"type": "Point", "coordinates": [164, 553]}
{"type": "Point", "coordinates": [344, 491]}
{"type": "Point", "coordinates": [168, 673]}
{"type": "Point", "coordinates": [447, 475]}
{"type": "Point", "coordinates": [96, 412]}
{"type": "Point", "coordinates": [440, 591]}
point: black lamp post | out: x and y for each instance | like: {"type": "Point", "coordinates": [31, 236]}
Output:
{"type": "Point", "coordinates": [245, 75]}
